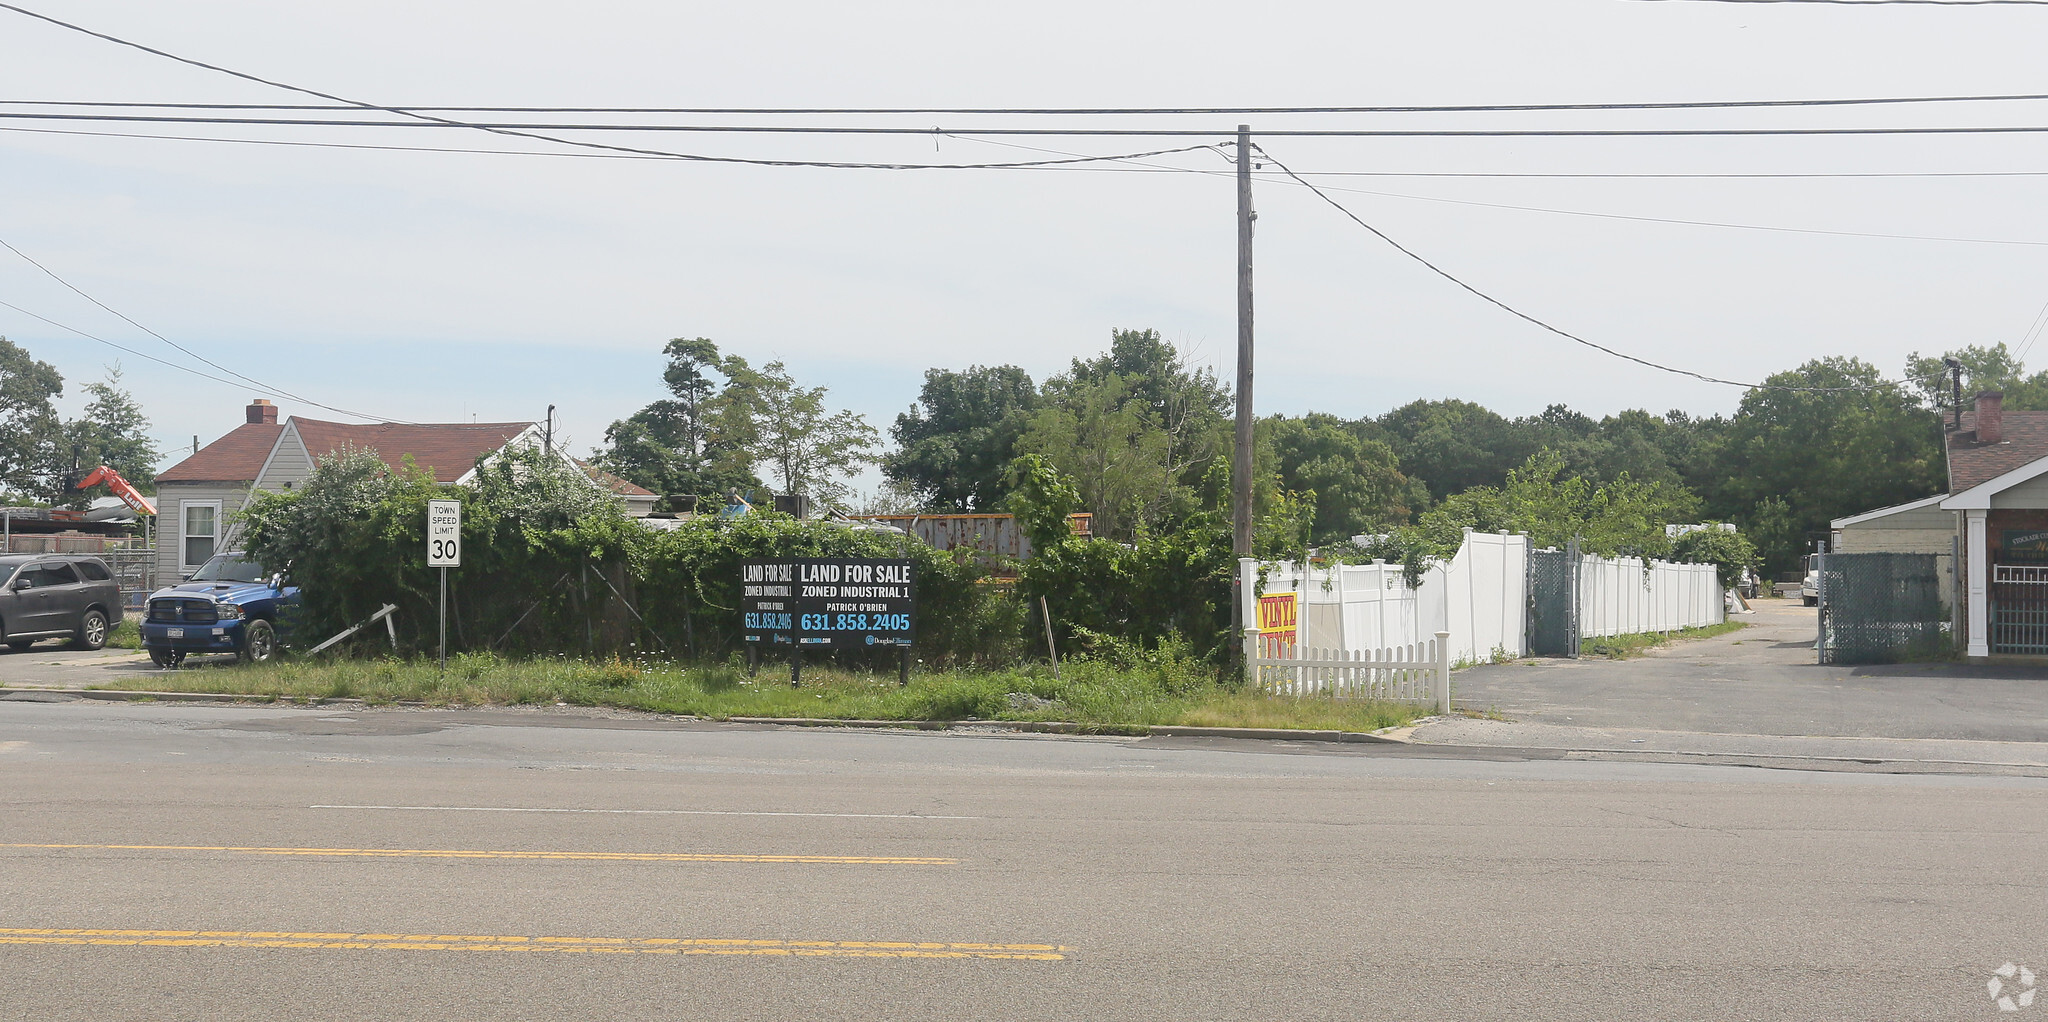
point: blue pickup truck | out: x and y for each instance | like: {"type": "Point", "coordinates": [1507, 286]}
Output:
{"type": "Point", "coordinates": [230, 605]}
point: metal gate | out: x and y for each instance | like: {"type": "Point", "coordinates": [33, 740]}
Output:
{"type": "Point", "coordinates": [135, 567]}
{"type": "Point", "coordinates": [1879, 608]}
{"type": "Point", "coordinates": [1554, 602]}
{"type": "Point", "coordinates": [2019, 609]}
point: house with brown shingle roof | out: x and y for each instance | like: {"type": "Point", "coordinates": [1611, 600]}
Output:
{"type": "Point", "coordinates": [1998, 492]}
{"type": "Point", "coordinates": [198, 497]}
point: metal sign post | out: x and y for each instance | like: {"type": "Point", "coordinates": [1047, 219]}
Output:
{"type": "Point", "coordinates": [444, 551]}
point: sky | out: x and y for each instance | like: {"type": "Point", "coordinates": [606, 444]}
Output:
{"type": "Point", "coordinates": [443, 286]}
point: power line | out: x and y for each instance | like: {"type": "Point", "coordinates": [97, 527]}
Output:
{"type": "Point", "coordinates": [1577, 212]}
{"type": "Point", "coordinates": [530, 129]}
{"type": "Point", "coordinates": [122, 347]}
{"type": "Point", "coordinates": [1056, 165]}
{"type": "Point", "coordinates": [515, 131]}
{"type": "Point", "coordinates": [1732, 104]}
{"type": "Point", "coordinates": [1073, 163]}
{"type": "Point", "coordinates": [1519, 314]}
{"type": "Point", "coordinates": [259, 384]}
{"type": "Point", "coordinates": [1872, 3]}
{"type": "Point", "coordinates": [1694, 223]}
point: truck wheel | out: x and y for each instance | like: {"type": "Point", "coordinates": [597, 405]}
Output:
{"type": "Point", "coordinates": [92, 630]}
{"type": "Point", "coordinates": [259, 642]}
{"type": "Point", "coordinates": [166, 658]}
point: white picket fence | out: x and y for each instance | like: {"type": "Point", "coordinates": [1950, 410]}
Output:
{"type": "Point", "coordinates": [1417, 673]}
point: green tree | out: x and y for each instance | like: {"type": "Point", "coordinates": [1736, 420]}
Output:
{"type": "Point", "coordinates": [1186, 403]}
{"type": "Point", "coordinates": [1136, 429]}
{"type": "Point", "coordinates": [112, 432]}
{"type": "Point", "coordinates": [1099, 436]}
{"type": "Point", "coordinates": [956, 443]}
{"type": "Point", "coordinates": [1455, 445]}
{"type": "Point", "coordinates": [687, 443]}
{"type": "Point", "coordinates": [1861, 445]}
{"type": "Point", "coordinates": [809, 447]}
{"type": "Point", "coordinates": [1544, 502]}
{"type": "Point", "coordinates": [1731, 552]}
{"type": "Point", "coordinates": [1355, 483]}
{"type": "Point", "coordinates": [1042, 500]}
{"type": "Point", "coordinates": [30, 431]}
{"type": "Point", "coordinates": [1993, 368]}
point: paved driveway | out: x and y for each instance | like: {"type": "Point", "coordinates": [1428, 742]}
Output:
{"type": "Point", "coordinates": [1763, 680]}
{"type": "Point", "coordinates": [55, 664]}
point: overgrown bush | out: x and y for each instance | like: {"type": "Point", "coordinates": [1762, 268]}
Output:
{"type": "Point", "coordinates": [690, 587]}
{"type": "Point", "coordinates": [1731, 552]}
{"type": "Point", "coordinates": [535, 540]}
{"type": "Point", "coordinates": [1168, 588]}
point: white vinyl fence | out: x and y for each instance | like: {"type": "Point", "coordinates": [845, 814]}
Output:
{"type": "Point", "coordinates": [1307, 619]}
{"type": "Point", "coordinates": [1618, 597]}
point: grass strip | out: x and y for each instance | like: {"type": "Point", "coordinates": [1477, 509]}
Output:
{"type": "Point", "coordinates": [1622, 647]}
{"type": "Point", "coordinates": [1101, 697]}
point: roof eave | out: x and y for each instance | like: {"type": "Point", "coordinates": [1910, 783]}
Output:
{"type": "Point", "coordinates": [1978, 497]}
{"type": "Point", "coordinates": [1911, 505]}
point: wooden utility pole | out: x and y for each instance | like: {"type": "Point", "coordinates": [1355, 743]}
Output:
{"type": "Point", "coordinates": [1241, 460]}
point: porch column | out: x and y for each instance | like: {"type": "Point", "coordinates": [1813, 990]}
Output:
{"type": "Point", "coordinates": [1976, 552]}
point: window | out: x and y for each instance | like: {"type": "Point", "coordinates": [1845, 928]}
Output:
{"type": "Point", "coordinates": [43, 576]}
{"type": "Point", "coordinates": [202, 526]}
{"type": "Point", "coordinates": [94, 571]}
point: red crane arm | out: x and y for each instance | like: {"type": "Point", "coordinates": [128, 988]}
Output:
{"type": "Point", "coordinates": [129, 494]}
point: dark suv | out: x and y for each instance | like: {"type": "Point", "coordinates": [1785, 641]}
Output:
{"type": "Point", "coordinates": [230, 605]}
{"type": "Point", "coordinates": [57, 596]}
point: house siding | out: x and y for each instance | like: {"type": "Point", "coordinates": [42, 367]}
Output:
{"type": "Point", "coordinates": [2030, 494]}
{"type": "Point", "coordinates": [290, 464]}
{"type": "Point", "coordinates": [171, 500]}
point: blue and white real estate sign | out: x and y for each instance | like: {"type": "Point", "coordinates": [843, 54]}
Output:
{"type": "Point", "coordinates": [829, 603]}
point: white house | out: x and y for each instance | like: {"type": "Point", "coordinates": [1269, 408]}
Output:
{"type": "Point", "coordinates": [198, 496]}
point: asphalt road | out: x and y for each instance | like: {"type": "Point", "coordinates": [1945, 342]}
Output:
{"type": "Point", "coordinates": [185, 862]}
{"type": "Point", "coordinates": [1764, 680]}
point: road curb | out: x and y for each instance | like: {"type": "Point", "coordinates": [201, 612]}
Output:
{"type": "Point", "coordinates": [1052, 727]}
{"type": "Point", "coordinates": [125, 695]}
{"type": "Point", "coordinates": [1069, 728]}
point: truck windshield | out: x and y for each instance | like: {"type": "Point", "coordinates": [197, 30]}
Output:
{"type": "Point", "coordinates": [228, 568]}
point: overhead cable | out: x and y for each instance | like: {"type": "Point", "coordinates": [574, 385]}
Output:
{"type": "Point", "coordinates": [1724, 104]}
{"type": "Point", "coordinates": [251, 381]}
{"type": "Point", "coordinates": [515, 131]}
{"type": "Point", "coordinates": [1075, 165]}
{"type": "Point", "coordinates": [534, 130]}
{"type": "Point", "coordinates": [1519, 314]}
{"type": "Point", "coordinates": [112, 344]}
{"type": "Point", "coordinates": [1872, 3]}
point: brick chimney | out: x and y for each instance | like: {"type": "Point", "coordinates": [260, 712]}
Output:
{"type": "Point", "coordinates": [1991, 417]}
{"type": "Point", "coordinates": [261, 411]}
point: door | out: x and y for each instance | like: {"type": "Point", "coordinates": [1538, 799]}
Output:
{"type": "Point", "coordinates": [43, 597]}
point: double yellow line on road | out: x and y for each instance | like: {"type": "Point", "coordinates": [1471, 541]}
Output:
{"type": "Point", "coordinates": [545, 945]}
{"type": "Point", "coordinates": [458, 853]}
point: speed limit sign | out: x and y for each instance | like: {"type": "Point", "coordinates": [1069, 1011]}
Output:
{"type": "Point", "coordinates": [444, 534]}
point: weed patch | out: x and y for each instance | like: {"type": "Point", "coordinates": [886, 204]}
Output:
{"type": "Point", "coordinates": [1109, 693]}
{"type": "Point", "coordinates": [1622, 647]}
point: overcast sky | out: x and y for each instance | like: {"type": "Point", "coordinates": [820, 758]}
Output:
{"type": "Point", "coordinates": [446, 286]}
